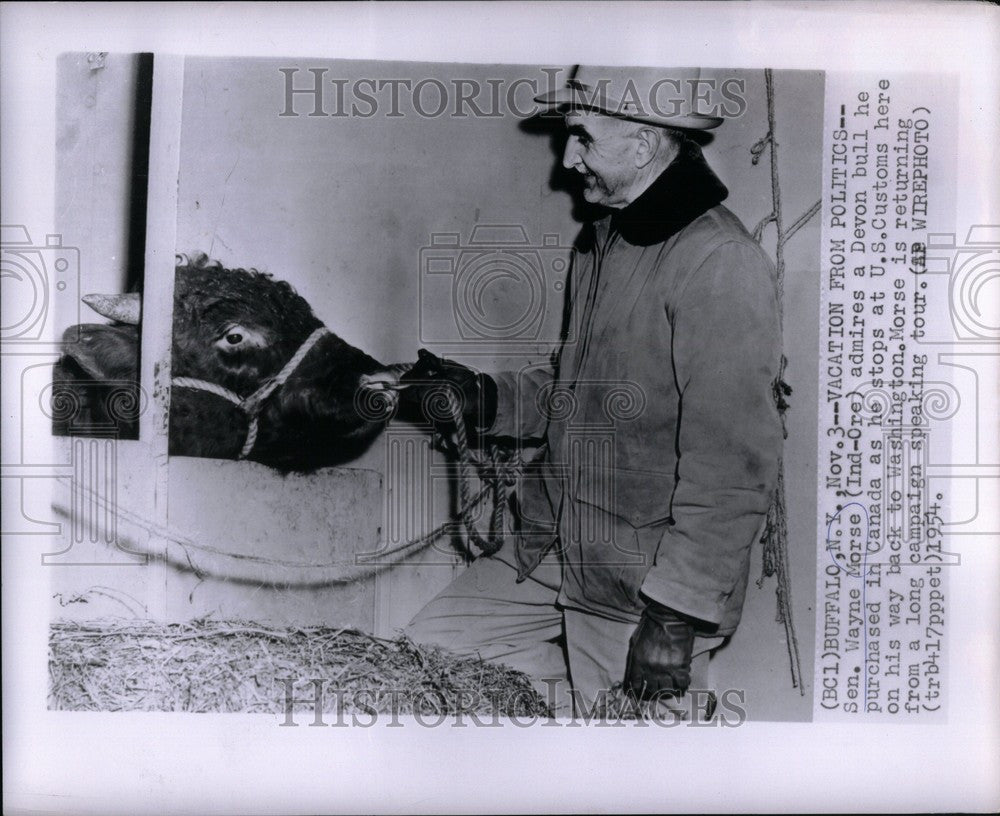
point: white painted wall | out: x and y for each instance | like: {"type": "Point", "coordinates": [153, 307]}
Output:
{"type": "Point", "coordinates": [95, 110]}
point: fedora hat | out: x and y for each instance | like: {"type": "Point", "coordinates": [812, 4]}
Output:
{"type": "Point", "coordinates": [666, 97]}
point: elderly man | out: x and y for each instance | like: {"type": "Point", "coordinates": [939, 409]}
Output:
{"type": "Point", "coordinates": [631, 566]}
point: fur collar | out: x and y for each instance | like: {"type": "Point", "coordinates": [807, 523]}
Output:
{"type": "Point", "coordinates": [687, 189]}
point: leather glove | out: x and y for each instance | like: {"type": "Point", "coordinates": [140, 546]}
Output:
{"type": "Point", "coordinates": [659, 658]}
{"type": "Point", "coordinates": [477, 393]}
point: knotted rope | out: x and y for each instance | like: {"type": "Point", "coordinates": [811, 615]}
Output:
{"type": "Point", "coordinates": [498, 473]}
{"type": "Point", "coordinates": [775, 536]}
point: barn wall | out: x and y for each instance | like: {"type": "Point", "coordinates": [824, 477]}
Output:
{"type": "Point", "coordinates": [342, 208]}
{"type": "Point", "coordinates": [96, 113]}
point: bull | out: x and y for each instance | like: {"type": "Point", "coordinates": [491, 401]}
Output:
{"type": "Point", "coordinates": [255, 374]}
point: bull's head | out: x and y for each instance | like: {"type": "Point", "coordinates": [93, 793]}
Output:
{"type": "Point", "coordinates": [236, 330]}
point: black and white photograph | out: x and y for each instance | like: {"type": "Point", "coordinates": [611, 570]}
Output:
{"type": "Point", "coordinates": [373, 399]}
{"type": "Point", "coordinates": [406, 398]}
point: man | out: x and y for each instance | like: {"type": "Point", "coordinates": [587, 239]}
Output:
{"type": "Point", "coordinates": [631, 558]}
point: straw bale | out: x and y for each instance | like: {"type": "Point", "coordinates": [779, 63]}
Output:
{"type": "Point", "coordinates": [240, 666]}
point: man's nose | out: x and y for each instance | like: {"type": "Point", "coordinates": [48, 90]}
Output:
{"type": "Point", "coordinates": [571, 154]}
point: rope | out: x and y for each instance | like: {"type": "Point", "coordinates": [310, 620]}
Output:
{"type": "Point", "coordinates": [799, 223]}
{"type": "Point", "coordinates": [212, 388]}
{"type": "Point", "coordinates": [503, 479]}
{"type": "Point", "coordinates": [167, 545]}
{"type": "Point", "coordinates": [418, 544]}
{"type": "Point", "coordinates": [775, 536]}
{"type": "Point", "coordinates": [498, 474]}
{"type": "Point", "coordinates": [251, 405]}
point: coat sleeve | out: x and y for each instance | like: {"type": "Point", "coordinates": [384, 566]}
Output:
{"type": "Point", "coordinates": [521, 398]}
{"type": "Point", "coordinates": [725, 351]}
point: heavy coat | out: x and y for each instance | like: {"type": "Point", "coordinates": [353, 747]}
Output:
{"type": "Point", "coordinates": [663, 438]}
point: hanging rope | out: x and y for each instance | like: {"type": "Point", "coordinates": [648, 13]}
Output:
{"type": "Point", "coordinates": [498, 473]}
{"type": "Point", "coordinates": [775, 536]}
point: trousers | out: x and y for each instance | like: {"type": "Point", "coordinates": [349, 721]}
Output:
{"type": "Point", "coordinates": [572, 656]}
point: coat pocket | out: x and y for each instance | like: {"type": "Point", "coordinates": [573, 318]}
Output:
{"type": "Point", "coordinates": [640, 497]}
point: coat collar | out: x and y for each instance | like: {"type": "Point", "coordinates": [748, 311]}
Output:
{"type": "Point", "coordinates": [687, 189]}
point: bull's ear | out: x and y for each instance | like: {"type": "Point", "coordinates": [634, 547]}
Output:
{"type": "Point", "coordinates": [105, 353]}
{"type": "Point", "coordinates": [120, 308]}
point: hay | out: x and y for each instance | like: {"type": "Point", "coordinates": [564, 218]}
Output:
{"type": "Point", "coordinates": [237, 666]}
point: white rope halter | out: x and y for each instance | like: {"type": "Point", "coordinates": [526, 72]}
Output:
{"type": "Point", "coordinates": [252, 405]}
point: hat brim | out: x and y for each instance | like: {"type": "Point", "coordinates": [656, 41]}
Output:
{"type": "Point", "coordinates": [575, 97]}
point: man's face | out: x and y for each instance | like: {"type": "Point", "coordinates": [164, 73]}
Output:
{"type": "Point", "coordinates": [601, 148]}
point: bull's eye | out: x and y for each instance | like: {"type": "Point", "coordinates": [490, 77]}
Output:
{"type": "Point", "coordinates": [237, 338]}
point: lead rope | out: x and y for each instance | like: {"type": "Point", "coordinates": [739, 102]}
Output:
{"type": "Point", "coordinates": [499, 474]}
{"type": "Point", "coordinates": [775, 535]}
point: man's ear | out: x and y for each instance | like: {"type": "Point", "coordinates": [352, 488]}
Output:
{"type": "Point", "coordinates": [648, 144]}
{"type": "Point", "coordinates": [652, 141]}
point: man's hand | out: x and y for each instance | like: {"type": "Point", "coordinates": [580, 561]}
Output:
{"type": "Point", "coordinates": [476, 393]}
{"type": "Point", "coordinates": [659, 658]}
